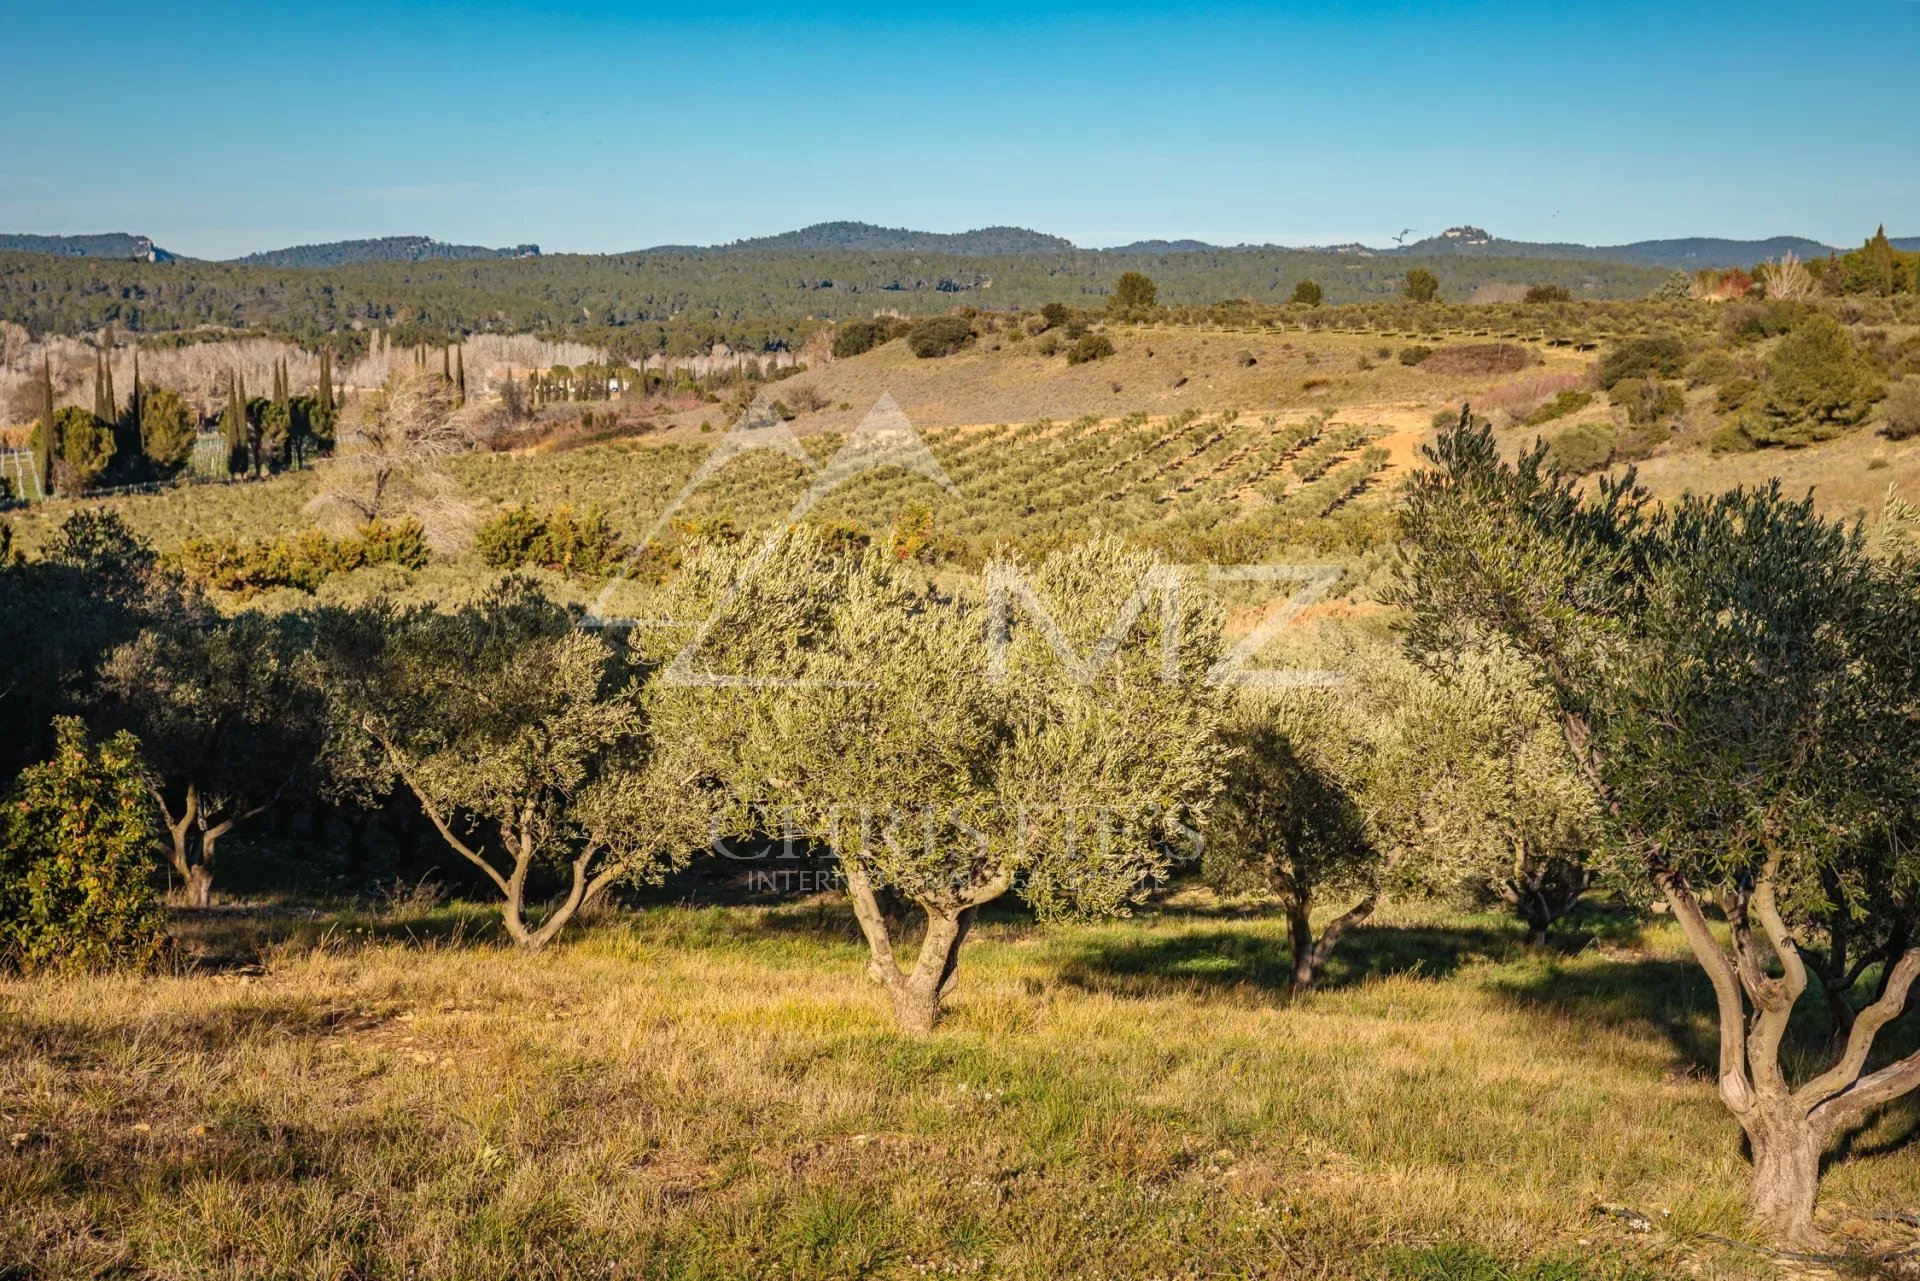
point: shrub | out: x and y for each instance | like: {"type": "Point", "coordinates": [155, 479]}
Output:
{"type": "Point", "coordinates": [1817, 386]}
{"type": "Point", "coordinates": [1749, 322]}
{"type": "Point", "coordinates": [1414, 355]}
{"type": "Point", "coordinates": [86, 447]}
{"type": "Point", "coordinates": [1048, 346]}
{"type": "Point", "coordinates": [1547, 293]}
{"type": "Point", "coordinates": [1582, 448]}
{"type": "Point", "coordinates": [1734, 394]}
{"type": "Point", "coordinates": [1903, 410]}
{"type": "Point", "coordinates": [939, 336]}
{"type": "Point", "coordinates": [1308, 294]}
{"type": "Point", "coordinates": [76, 859]}
{"type": "Point", "coordinates": [563, 540]}
{"type": "Point", "coordinates": [1133, 292]}
{"type": "Point", "coordinates": [1648, 400]}
{"type": "Point", "coordinates": [1092, 347]}
{"type": "Point", "coordinates": [1055, 315]}
{"type": "Point", "coordinates": [1567, 402]}
{"type": "Point", "coordinates": [859, 336]}
{"type": "Point", "coordinates": [1420, 285]}
{"type": "Point", "coordinates": [1245, 359]}
{"type": "Point", "coordinates": [1658, 356]}
{"type": "Point", "coordinates": [302, 561]}
{"type": "Point", "coordinates": [166, 431]}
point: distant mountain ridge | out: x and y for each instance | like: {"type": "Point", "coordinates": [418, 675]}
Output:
{"type": "Point", "coordinates": [866, 237]}
{"type": "Point", "coordinates": [339, 253]}
{"type": "Point", "coordinates": [1687, 252]}
{"type": "Point", "coordinates": [110, 244]}
{"type": "Point", "coordinates": [1683, 253]}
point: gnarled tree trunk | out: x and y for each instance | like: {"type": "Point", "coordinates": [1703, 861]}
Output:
{"type": "Point", "coordinates": [1788, 1127]}
{"type": "Point", "coordinates": [918, 992]}
{"type": "Point", "coordinates": [1310, 954]}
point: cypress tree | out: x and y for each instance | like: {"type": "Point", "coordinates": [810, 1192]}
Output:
{"type": "Point", "coordinates": [45, 447]}
{"type": "Point", "coordinates": [113, 401]}
{"type": "Point", "coordinates": [326, 379]}
{"type": "Point", "coordinates": [99, 389]}
{"type": "Point", "coordinates": [234, 427]}
{"type": "Point", "coordinates": [460, 375]}
{"type": "Point", "coordinates": [446, 364]}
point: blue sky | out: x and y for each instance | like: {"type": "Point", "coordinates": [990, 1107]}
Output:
{"type": "Point", "coordinates": [219, 129]}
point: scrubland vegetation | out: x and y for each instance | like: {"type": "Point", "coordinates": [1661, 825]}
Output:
{"type": "Point", "coordinates": [592, 821]}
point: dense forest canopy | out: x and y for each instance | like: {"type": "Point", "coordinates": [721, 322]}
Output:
{"type": "Point", "coordinates": [687, 299]}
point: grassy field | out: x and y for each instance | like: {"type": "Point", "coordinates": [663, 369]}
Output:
{"type": "Point", "coordinates": [718, 1092]}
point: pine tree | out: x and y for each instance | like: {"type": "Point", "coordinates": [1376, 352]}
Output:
{"type": "Point", "coordinates": [45, 446]}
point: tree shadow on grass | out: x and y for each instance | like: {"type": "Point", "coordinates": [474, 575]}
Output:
{"type": "Point", "coordinates": [1225, 959]}
{"type": "Point", "coordinates": [1673, 998]}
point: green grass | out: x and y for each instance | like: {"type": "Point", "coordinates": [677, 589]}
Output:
{"type": "Point", "coordinates": [718, 1092]}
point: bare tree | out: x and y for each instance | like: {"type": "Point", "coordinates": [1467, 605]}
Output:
{"type": "Point", "coordinates": [392, 439]}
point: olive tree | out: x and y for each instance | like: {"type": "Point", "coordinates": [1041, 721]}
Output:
{"type": "Point", "coordinates": [1734, 676]}
{"type": "Point", "coordinates": [1503, 806]}
{"type": "Point", "coordinates": [1032, 737]}
{"type": "Point", "coordinates": [522, 736]}
{"type": "Point", "coordinates": [227, 721]}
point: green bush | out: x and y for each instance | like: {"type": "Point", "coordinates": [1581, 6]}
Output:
{"type": "Point", "coordinates": [302, 561]}
{"type": "Point", "coordinates": [1055, 314]}
{"type": "Point", "coordinates": [166, 431]}
{"type": "Point", "coordinates": [1091, 347]}
{"type": "Point", "coordinates": [565, 540]}
{"type": "Point", "coordinates": [1567, 402]}
{"type": "Point", "coordinates": [1420, 285]}
{"type": "Point", "coordinates": [1308, 294]}
{"type": "Point", "coordinates": [1133, 292]}
{"type": "Point", "coordinates": [1660, 356]}
{"type": "Point", "coordinates": [1817, 386]}
{"type": "Point", "coordinates": [1734, 394]}
{"type": "Point", "coordinates": [76, 859]}
{"type": "Point", "coordinates": [1547, 293]}
{"type": "Point", "coordinates": [1414, 355]}
{"type": "Point", "coordinates": [1582, 448]}
{"type": "Point", "coordinates": [1648, 400]}
{"type": "Point", "coordinates": [1903, 410]}
{"type": "Point", "coordinates": [859, 336]}
{"type": "Point", "coordinates": [939, 336]}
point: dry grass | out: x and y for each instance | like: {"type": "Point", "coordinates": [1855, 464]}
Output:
{"type": "Point", "coordinates": [717, 1092]}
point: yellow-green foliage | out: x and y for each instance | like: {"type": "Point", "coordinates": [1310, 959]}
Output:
{"type": "Point", "coordinates": [76, 851]}
{"type": "Point", "coordinates": [563, 539]}
{"type": "Point", "coordinates": [303, 560]}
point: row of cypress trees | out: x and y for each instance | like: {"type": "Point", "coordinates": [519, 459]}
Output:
{"type": "Point", "coordinates": [285, 429]}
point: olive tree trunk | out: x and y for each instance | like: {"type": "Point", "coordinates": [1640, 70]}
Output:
{"type": "Point", "coordinates": [1787, 1127]}
{"type": "Point", "coordinates": [918, 992]}
{"type": "Point", "coordinates": [1310, 954]}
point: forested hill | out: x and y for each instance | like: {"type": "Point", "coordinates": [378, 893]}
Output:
{"type": "Point", "coordinates": [865, 237]}
{"type": "Point", "coordinates": [110, 244]}
{"type": "Point", "coordinates": [684, 300]}
{"type": "Point", "coordinates": [340, 253]}
{"type": "Point", "coordinates": [1686, 253]}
